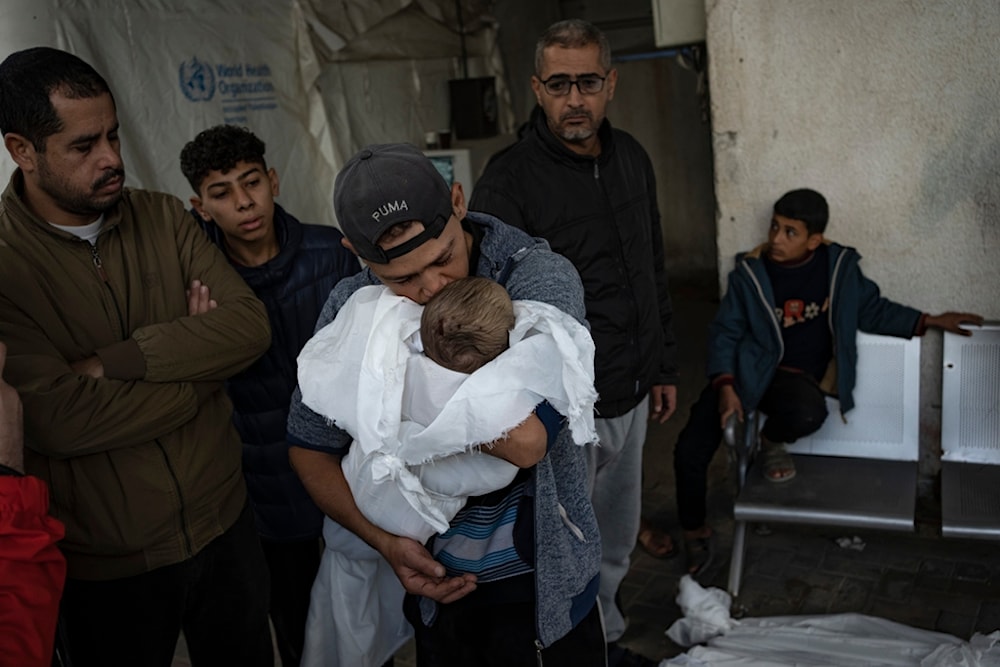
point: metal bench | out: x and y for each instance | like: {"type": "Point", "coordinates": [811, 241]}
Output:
{"type": "Point", "coordinates": [862, 473]}
{"type": "Point", "coordinates": [970, 434]}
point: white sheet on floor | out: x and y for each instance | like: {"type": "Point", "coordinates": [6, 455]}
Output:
{"type": "Point", "coordinates": [835, 640]}
{"type": "Point", "coordinates": [706, 613]}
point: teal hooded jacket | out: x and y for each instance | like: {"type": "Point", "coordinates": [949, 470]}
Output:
{"type": "Point", "coordinates": [745, 336]}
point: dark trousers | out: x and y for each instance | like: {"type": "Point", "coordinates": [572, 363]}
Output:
{"type": "Point", "coordinates": [218, 598]}
{"type": "Point", "coordinates": [293, 567]}
{"type": "Point", "coordinates": [795, 407]}
{"type": "Point", "coordinates": [501, 635]}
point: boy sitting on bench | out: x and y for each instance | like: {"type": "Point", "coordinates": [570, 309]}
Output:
{"type": "Point", "coordinates": [782, 340]}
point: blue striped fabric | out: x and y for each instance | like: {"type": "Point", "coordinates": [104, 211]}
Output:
{"type": "Point", "coordinates": [480, 540]}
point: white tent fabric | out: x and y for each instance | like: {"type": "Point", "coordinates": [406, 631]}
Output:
{"type": "Point", "coordinates": [835, 640]}
{"type": "Point", "coordinates": [315, 80]}
{"type": "Point", "coordinates": [175, 71]}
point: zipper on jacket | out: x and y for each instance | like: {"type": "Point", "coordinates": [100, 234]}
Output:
{"type": "Point", "coordinates": [829, 319]}
{"type": "Point", "coordinates": [538, 653]}
{"type": "Point", "coordinates": [833, 286]}
{"type": "Point", "coordinates": [573, 528]}
{"type": "Point", "coordinates": [767, 307]}
{"type": "Point", "coordinates": [103, 275]}
{"type": "Point", "coordinates": [180, 497]}
{"type": "Point", "coordinates": [98, 264]}
{"type": "Point", "coordinates": [634, 342]}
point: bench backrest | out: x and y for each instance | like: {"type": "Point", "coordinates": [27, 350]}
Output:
{"type": "Point", "coordinates": [970, 396]}
{"type": "Point", "coordinates": [885, 422]}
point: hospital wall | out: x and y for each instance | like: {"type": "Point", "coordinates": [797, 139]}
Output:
{"type": "Point", "coordinates": [890, 110]}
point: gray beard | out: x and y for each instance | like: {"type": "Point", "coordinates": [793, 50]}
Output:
{"type": "Point", "coordinates": [576, 135]}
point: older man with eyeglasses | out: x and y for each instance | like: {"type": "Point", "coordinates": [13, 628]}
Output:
{"type": "Point", "coordinates": [589, 190]}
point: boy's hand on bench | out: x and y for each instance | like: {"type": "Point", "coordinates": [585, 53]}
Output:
{"type": "Point", "coordinates": [952, 322]}
{"type": "Point", "coordinates": [729, 404]}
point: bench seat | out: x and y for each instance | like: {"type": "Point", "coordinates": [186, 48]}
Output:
{"type": "Point", "coordinates": [970, 434]}
{"type": "Point", "coordinates": [859, 473]}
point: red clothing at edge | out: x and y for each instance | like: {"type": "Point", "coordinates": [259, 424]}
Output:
{"type": "Point", "coordinates": [32, 573]}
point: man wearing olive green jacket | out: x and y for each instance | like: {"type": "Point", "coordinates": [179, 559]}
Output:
{"type": "Point", "coordinates": [122, 321]}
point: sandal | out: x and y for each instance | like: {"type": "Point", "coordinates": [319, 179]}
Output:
{"type": "Point", "coordinates": [656, 543]}
{"type": "Point", "coordinates": [699, 552]}
{"type": "Point", "coordinates": [776, 463]}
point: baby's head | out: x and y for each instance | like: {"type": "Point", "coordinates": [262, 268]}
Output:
{"type": "Point", "coordinates": [467, 323]}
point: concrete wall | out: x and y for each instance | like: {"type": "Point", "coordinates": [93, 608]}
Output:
{"type": "Point", "coordinates": [890, 109]}
{"type": "Point", "coordinates": [520, 23]}
{"type": "Point", "coordinates": [657, 102]}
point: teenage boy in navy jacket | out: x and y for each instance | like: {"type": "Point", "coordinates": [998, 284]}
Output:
{"type": "Point", "coordinates": [291, 267]}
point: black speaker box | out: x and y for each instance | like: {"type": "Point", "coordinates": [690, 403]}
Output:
{"type": "Point", "coordinates": [473, 107]}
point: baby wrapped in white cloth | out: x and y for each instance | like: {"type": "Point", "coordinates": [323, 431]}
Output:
{"type": "Point", "coordinates": [418, 428]}
{"type": "Point", "coordinates": [418, 425]}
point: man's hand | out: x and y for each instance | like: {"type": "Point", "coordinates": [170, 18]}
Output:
{"type": "Point", "coordinates": [952, 322]}
{"type": "Point", "coordinates": [199, 298]}
{"type": "Point", "coordinates": [729, 403]}
{"type": "Point", "coordinates": [91, 366]}
{"type": "Point", "coordinates": [662, 402]}
{"type": "Point", "coordinates": [11, 422]}
{"type": "Point", "coordinates": [420, 574]}
{"type": "Point", "coordinates": [413, 565]}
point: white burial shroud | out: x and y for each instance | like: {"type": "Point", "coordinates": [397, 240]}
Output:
{"type": "Point", "coordinates": [418, 425]}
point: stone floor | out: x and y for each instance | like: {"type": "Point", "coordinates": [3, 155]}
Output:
{"type": "Point", "coordinates": [919, 579]}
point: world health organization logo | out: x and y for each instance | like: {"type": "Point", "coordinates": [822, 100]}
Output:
{"type": "Point", "coordinates": [197, 80]}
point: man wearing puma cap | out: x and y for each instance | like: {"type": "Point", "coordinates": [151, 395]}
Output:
{"type": "Point", "coordinates": [517, 571]}
{"type": "Point", "coordinates": [388, 185]}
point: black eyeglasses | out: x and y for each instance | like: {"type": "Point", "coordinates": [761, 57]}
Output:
{"type": "Point", "coordinates": [560, 84]}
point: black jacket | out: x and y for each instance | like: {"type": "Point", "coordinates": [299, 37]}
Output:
{"type": "Point", "coordinates": [293, 286]}
{"type": "Point", "coordinates": [601, 213]}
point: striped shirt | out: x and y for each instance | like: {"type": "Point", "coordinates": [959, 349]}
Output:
{"type": "Point", "coordinates": [481, 538]}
